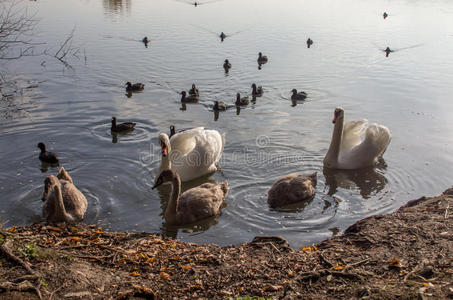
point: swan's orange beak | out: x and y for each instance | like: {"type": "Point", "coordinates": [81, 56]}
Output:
{"type": "Point", "coordinates": [164, 149]}
{"type": "Point", "coordinates": [335, 117]}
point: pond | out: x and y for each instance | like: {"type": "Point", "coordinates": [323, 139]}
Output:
{"type": "Point", "coordinates": [69, 107]}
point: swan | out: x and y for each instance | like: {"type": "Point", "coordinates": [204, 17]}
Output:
{"type": "Point", "coordinates": [121, 127]}
{"type": "Point", "coordinates": [63, 202]}
{"type": "Point", "coordinates": [226, 65]}
{"type": "Point", "coordinates": [134, 87]}
{"type": "Point", "coordinates": [195, 204]}
{"type": "Point", "coordinates": [262, 59]}
{"type": "Point", "coordinates": [348, 151]}
{"type": "Point", "coordinates": [191, 153]}
{"type": "Point", "coordinates": [257, 91]}
{"type": "Point", "coordinates": [47, 156]}
{"type": "Point", "coordinates": [291, 189]}
{"type": "Point", "coordinates": [241, 101]}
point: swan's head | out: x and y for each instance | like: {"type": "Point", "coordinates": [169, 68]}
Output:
{"type": "Point", "coordinates": [183, 93]}
{"type": "Point", "coordinates": [49, 183]}
{"type": "Point", "coordinates": [254, 86]}
{"type": "Point", "coordinates": [226, 61]}
{"type": "Point", "coordinates": [294, 91]}
{"type": "Point", "coordinates": [129, 84]}
{"type": "Point", "coordinates": [193, 86]}
{"type": "Point", "coordinates": [260, 54]}
{"type": "Point", "coordinates": [164, 142]}
{"type": "Point", "coordinates": [339, 113]}
{"type": "Point", "coordinates": [172, 129]}
{"type": "Point", "coordinates": [238, 96]}
{"type": "Point", "coordinates": [165, 176]}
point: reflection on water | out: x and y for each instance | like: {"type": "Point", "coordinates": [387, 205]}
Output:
{"type": "Point", "coordinates": [367, 181]}
{"type": "Point", "coordinates": [117, 6]}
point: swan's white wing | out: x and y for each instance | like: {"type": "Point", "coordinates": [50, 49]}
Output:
{"type": "Point", "coordinates": [209, 147]}
{"type": "Point", "coordinates": [184, 142]}
{"type": "Point", "coordinates": [352, 131]}
{"type": "Point", "coordinates": [377, 138]}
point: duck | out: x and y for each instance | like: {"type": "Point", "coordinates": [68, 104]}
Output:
{"type": "Point", "coordinates": [63, 202]}
{"type": "Point", "coordinates": [190, 98]}
{"type": "Point", "coordinates": [348, 150]}
{"type": "Point", "coordinates": [226, 65]}
{"type": "Point", "coordinates": [47, 156]}
{"type": "Point", "coordinates": [387, 51]}
{"type": "Point", "coordinates": [145, 40]}
{"type": "Point", "coordinates": [257, 91]}
{"type": "Point", "coordinates": [219, 106]}
{"type": "Point", "coordinates": [385, 15]}
{"type": "Point", "coordinates": [309, 42]}
{"type": "Point", "coordinates": [191, 153]}
{"type": "Point", "coordinates": [134, 87]}
{"type": "Point", "coordinates": [222, 36]}
{"type": "Point", "coordinates": [122, 127]}
{"type": "Point", "coordinates": [195, 204]}
{"type": "Point", "coordinates": [262, 59]}
{"type": "Point", "coordinates": [291, 189]}
{"type": "Point", "coordinates": [194, 90]}
{"type": "Point", "coordinates": [298, 95]}
{"type": "Point", "coordinates": [241, 101]}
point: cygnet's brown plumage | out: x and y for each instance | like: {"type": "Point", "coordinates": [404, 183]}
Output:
{"type": "Point", "coordinates": [195, 204]}
{"type": "Point", "coordinates": [262, 59]}
{"type": "Point", "coordinates": [291, 189]}
{"type": "Point", "coordinates": [226, 65]}
{"type": "Point", "coordinates": [63, 202]}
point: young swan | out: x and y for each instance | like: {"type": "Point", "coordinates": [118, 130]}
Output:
{"type": "Point", "coordinates": [291, 189]}
{"type": "Point", "coordinates": [63, 202]}
{"type": "Point", "coordinates": [196, 204]}
{"type": "Point", "coordinates": [257, 91]}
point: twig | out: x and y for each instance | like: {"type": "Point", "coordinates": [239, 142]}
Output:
{"type": "Point", "coordinates": [324, 260]}
{"type": "Point", "coordinates": [7, 252]}
{"type": "Point", "coordinates": [446, 211]}
{"type": "Point", "coordinates": [356, 263]}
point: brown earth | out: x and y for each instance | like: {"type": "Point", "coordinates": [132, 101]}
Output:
{"type": "Point", "coordinates": [404, 255]}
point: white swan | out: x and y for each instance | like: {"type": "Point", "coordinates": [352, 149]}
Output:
{"type": "Point", "coordinates": [63, 201]}
{"type": "Point", "coordinates": [196, 204]}
{"type": "Point", "coordinates": [191, 153]}
{"type": "Point", "coordinates": [348, 151]}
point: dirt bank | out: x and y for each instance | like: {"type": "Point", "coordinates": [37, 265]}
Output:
{"type": "Point", "coordinates": [406, 255]}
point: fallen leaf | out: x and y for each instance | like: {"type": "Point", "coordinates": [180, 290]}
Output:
{"type": "Point", "coordinates": [329, 277]}
{"type": "Point", "coordinates": [395, 263]}
{"type": "Point", "coordinates": [12, 229]}
{"type": "Point", "coordinates": [135, 274]}
{"type": "Point", "coordinates": [339, 266]}
{"type": "Point", "coordinates": [164, 275]}
{"type": "Point", "coordinates": [186, 267]}
{"type": "Point", "coordinates": [273, 288]}
{"type": "Point", "coordinates": [99, 231]}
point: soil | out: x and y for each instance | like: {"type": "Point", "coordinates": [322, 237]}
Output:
{"type": "Point", "coordinates": [404, 255]}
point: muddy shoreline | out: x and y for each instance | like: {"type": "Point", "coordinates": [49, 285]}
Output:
{"type": "Point", "coordinates": [406, 255]}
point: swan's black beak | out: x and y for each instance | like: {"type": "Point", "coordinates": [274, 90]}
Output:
{"type": "Point", "coordinates": [158, 182]}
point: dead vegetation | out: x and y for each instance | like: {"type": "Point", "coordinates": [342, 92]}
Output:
{"type": "Point", "coordinates": [405, 255]}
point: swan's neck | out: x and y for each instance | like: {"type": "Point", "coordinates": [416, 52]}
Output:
{"type": "Point", "coordinates": [60, 210]}
{"type": "Point", "coordinates": [165, 163]}
{"type": "Point", "coordinates": [170, 211]}
{"type": "Point", "coordinates": [334, 149]}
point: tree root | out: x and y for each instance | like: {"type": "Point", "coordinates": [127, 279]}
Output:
{"type": "Point", "coordinates": [7, 252]}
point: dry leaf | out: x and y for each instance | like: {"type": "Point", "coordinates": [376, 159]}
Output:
{"type": "Point", "coordinates": [135, 274]}
{"type": "Point", "coordinates": [12, 229]}
{"type": "Point", "coordinates": [164, 275]}
{"type": "Point", "coordinates": [339, 266]}
{"type": "Point", "coordinates": [395, 263]}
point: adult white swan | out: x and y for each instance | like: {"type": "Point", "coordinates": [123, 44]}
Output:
{"type": "Point", "coordinates": [191, 153]}
{"type": "Point", "coordinates": [348, 150]}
